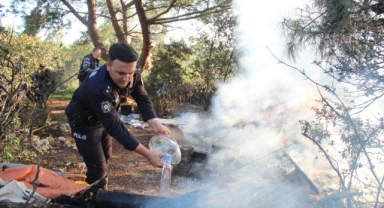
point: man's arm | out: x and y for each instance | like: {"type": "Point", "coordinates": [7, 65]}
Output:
{"type": "Point", "coordinates": [144, 103]}
{"type": "Point", "coordinates": [86, 65]}
{"type": "Point", "coordinates": [105, 112]}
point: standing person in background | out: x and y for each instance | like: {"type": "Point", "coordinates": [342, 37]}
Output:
{"type": "Point", "coordinates": [89, 63]}
{"type": "Point", "coordinates": [93, 117]}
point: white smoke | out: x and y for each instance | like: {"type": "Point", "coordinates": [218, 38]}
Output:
{"type": "Point", "coordinates": [255, 121]}
{"type": "Point", "coordinates": [254, 125]}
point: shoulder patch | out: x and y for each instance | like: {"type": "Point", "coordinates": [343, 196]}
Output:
{"type": "Point", "coordinates": [106, 106]}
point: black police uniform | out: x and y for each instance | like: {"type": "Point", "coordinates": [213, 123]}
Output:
{"type": "Point", "coordinates": [93, 117]}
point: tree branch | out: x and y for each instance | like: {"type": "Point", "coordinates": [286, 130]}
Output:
{"type": "Point", "coordinates": [74, 12]}
{"type": "Point", "coordinates": [151, 20]}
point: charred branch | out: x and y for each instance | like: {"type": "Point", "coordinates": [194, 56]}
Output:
{"type": "Point", "coordinates": [302, 174]}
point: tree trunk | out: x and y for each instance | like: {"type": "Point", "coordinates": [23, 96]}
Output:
{"type": "Point", "coordinates": [126, 19]}
{"type": "Point", "coordinates": [92, 28]}
{"type": "Point", "coordinates": [115, 23]}
{"type": "Point", "coordinates": [146, 33]}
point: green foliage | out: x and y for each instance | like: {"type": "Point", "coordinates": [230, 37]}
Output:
{"type": "Point", "coordinates": [7, 156]}
{"type": "Point", "coordinates": [169, 75]}
{"type": "Point", "coordinates": [16, 151]}
{"type": "Point", "coordinates": [40, 15]}
{"type": "Point", "coordinates": [216, 55]}
{"type": "Point", "coordinates": [189, 73]}
{"type": "Point", "coordinates": [31, 53]}
{"type": "Point", "coordinates": [62, 95]}
{"type": "Point", "coordinates": [348, 36]}
{"type": "Point", "coordinates": [29, 71]}
{"type": "Point", "coordinates": [15, 142]}
{"type": "Point", "coordinates": [119, 18]}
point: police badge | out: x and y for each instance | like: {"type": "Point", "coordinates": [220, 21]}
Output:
{"type": "Point", "coordinates": [106, 106]}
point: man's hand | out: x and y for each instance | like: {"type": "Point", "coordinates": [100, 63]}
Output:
{"type": "Point", "coordinates": [153, 157]}
{"type": "Point", "coordinates": [158, 128]}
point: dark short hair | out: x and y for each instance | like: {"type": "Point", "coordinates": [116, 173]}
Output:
{"type": "Point", "coordinates": [95, 49]}
{"type": "Point", "coordinates": [123, 52]}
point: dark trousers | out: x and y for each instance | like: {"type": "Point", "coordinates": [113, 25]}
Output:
{"type": "Point", "coordinates": [95, 146]}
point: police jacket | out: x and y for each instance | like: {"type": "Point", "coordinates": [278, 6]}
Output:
{"type": "Point", "coordinates": [100, 97]}
{"type": "Point", "coordinates": [87, 65]}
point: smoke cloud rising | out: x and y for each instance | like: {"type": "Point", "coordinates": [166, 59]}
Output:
{"type": "Point", "coordinates": [254, 122]}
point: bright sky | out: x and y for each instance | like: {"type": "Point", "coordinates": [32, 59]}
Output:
{"type": "Point", "coordinates": [9, 18]}
{"type": "Point", "coordinates": [69, 35]}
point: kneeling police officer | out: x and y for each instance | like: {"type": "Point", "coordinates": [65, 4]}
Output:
{"type": "Point", "coordinates": [93, 117]}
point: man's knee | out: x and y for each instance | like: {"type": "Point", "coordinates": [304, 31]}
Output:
{"type": "Point", "coordinates": [95, 161]}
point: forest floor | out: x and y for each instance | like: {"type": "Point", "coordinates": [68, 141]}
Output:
{"type": "Point", "coordinates": [128, 171]}
{"type": "Point", "coordinates": [131, 173]}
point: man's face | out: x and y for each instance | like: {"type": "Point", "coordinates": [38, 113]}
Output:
{"type": "Point", "coordinates": [121, 72]}
{"type": "Point", "coordinates": [96, 54]}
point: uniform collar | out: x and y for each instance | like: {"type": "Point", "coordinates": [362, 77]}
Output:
{"type": "Point", "coordinates": [111, 86]}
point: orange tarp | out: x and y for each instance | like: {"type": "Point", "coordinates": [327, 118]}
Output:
{"type": "Point", "coordinates": [51, 184]}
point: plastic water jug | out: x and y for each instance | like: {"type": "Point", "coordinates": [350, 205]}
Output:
{"type": "Point", "coordinates": [166, 144]}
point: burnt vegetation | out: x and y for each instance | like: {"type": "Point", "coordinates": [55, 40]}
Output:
{"type": "Point", "coordinates": [348, 129]}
